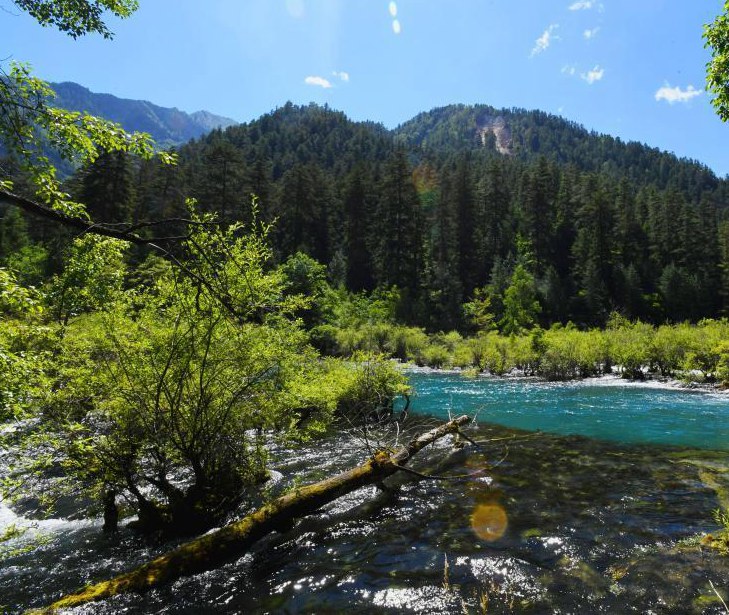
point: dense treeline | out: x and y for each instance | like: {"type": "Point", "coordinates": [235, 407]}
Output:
{"type": "Point", "coordinates": [521, 216]}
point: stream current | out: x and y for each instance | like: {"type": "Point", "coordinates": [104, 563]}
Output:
{"type": "Point", "coordinates": [583, 499]}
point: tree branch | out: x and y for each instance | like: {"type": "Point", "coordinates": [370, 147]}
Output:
{"type": "Point", "coordinates": [235, 539]}
{"type": "Point", "coordinates": [38, 209]}
{"type": "Point", "coordinates": [83, 226]}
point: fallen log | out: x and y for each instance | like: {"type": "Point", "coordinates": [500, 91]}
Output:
{"type": "Point", "coordinates": [235, 539]}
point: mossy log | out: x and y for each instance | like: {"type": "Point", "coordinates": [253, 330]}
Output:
{"type": "Point", "coordinates": [234, 540]}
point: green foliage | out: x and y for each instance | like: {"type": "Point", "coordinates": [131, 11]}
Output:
{"type": "Point", "coordinates": [463, 355]}
{"type": "Point", "coordinates": [410, 344]}
{"type": "Point", "coordinates": [26, 348]}
{"type": "Point", "coordinates": [630, 347]}
{"type": "Point", "coordinates": [478, 310]}
{"type": "Point", "coordinates": [30, 263]}
{"type": "Point", "coordinates": [17, 300]}
{"type": "Point", "coordinates": [716, 35]}
{"type": "Point", "coordinates": [30, 128]}
{"type": "Point", "coordinates": [625, 227]}
{"type": "Point", "coordinates": [495, 358]}
{"type": "Point", "coordinates": [369, 388]}
{"type": "Point", "coordinates": [307, 278]}
{"type": "Point", "coordinates": [521, 306]}
{"type": "Point", "coordinates": [77, 17]}
{"type": "Point", "coordinates": [169, 393]}
{"type": "Point", "coordinates": [91, 279]}
{"type": "Point", "coordinates": [722, 518]}
{"type": "Point", "coordinates": [436, 355]}
{"type": "Point", "coordinates": [11, 533]}
{"type": "Point", "coordinates": [26, 353]}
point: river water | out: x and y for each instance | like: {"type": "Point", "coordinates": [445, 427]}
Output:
{"type": "Point", "coordinates": [583, 498]}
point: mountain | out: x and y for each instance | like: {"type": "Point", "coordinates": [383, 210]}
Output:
{"type": "Point", "coordinates": [168, 127]}
{"type": "Point", "coordinates": [449, 206]}
{"type": "Point", "coordinates": [526, 135]}
{"type": "Point", "coordinates": [452, 200]}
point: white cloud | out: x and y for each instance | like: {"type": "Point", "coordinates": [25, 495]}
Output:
{"type": "Point", "coordinates": [544, 41]}
{"type": "Point", "coordinates": [343, 75]}
{"type": "Point", "coordinates": [591, 76]}
{"type": "Point", "coordinates": [588, 34]}
{"type": "Point", "coordinates": [582, 5]}
{"type": "Point", "coordinates": [676, 95]}
{"type": "Point", "coordinates": [396, 27]}
{"type": "Point", "coordinates": [319, 82]}
{"type": "Point", "coordinates": [568, 70]}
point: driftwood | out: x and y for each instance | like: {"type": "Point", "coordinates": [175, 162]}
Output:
{"type": "Point", "coordinates": [234, 540]}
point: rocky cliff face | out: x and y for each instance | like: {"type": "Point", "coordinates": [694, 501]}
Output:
{"type": "Point", "coordinates": [497, 127]}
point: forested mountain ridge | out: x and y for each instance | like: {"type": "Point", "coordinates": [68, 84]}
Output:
{"type": "Point", "coordinates": [167, 126]}
{"type": "Point", "coordinates": [530, 134]}
{"type": "Point", "coordinates": [523, 212]}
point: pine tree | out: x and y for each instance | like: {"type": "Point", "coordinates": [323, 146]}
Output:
{"type": "Point", "coordinates": [398, 254]}
{"type": "Point", "coordinates": [442, 280]}
{"type": "Point", "coordinates": [359, 219]}
{"type": "Point", "coordinates": [107, 187]}
{"type": "Point", "coordinates": [537, 196]}
{"type": "Point", "coordinates": [593, 250]}
{"type": "Point", "coordinates": [221, 185]}
{"type": "Point", "coordinates": [493, 220]}
{"type": "Point", "coordinates": [521, 307]}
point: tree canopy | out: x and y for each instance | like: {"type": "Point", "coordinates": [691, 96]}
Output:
{"type": "Point", "coordinates": [716, 35]}
{"type": "Point", "coordinates": [77, 17]}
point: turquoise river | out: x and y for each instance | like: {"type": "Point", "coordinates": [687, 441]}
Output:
{"type": "Point", "coordinates": [579, 498]}
{"type": "Point", "coordinates": [606, 408]}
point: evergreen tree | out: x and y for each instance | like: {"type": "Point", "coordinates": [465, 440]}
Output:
{"type": "Point", "coordinates": [304, 204]}
{"type": "Point", "coordinates": [521, 306]}
{"type": "Point", "coordinates": [537, 195]}
{"type": "Point", "coordinates": [359, 222]}
{"type": "Point", "coordinates": [492, 221]}
{"type": "Point", "coordinates": [398, 253]}
{"type": "Point", "coordinates": [678, 290]}
{"type": "Point", "coordinates": [443, 252]}
{"type": "Point", "coordinates": [107, 187]}
{"type": "Point", "coordinates": [593, 251]}
{"type": "Point", "coordinates": [221, 186]}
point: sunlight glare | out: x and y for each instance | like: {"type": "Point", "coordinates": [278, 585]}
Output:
{"type": "Point", "coordinates": [393, 9]}
{"type": "Point", "coordinates": [396, 28]}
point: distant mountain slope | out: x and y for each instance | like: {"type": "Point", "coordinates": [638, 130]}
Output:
{"type": "Point", "coordinates": [167, 126]}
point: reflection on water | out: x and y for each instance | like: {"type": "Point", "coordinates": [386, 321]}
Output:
{"type": "Point", "coordinates": [557, 524]}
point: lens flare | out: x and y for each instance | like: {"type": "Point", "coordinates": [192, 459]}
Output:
{"type": "Point", "coordinates": [393, 9]}
{"type": "Point", "coordinates": [489, 521]}
{"type": "Point", "coordinates": [396, 28]}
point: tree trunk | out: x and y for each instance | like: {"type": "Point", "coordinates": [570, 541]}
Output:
{"type": "Point", "coordinates": [111, 512]}
{"type": "Point", "coordinates": [233, 540]}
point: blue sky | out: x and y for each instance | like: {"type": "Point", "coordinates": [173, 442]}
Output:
{"type": "Point", "coordinates": [631, 68]}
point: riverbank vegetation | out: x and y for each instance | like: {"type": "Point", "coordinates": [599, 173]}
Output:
{"type": "Point", "coordinates": [696, 353]}
{"type": "Point", "coordinates": [162, 395]}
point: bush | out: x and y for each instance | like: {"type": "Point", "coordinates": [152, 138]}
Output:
{"type": "Point", "coordinates": [436, 356]}
{"type": "Point", "coordinates": [368, 388]}
{"type": "Point", "coordinates": [463, 355]}
{"type": "Point", "coordinates": [409, 343]}
{"type": "Point", "coordinates": [495, 357]}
